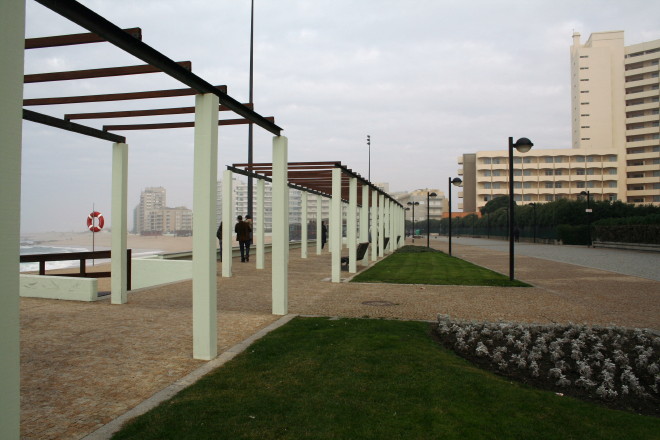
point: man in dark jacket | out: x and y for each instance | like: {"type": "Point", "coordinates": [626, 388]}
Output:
{"type": "Point", "coordinates": [219, 235]}
{"type": "Point", "coordinates": [243, 230]}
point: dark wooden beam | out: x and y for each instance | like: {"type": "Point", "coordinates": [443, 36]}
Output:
{"type": "Point", "coordinates": [51, 121]}
{"type": "Point", "coordinates": [71, 39]}
{"type": "Point", "coordinates": [115, 96]}
{"type": "Point", "coordinates": [97, 73]}
{"type": "Point", "coordinates": [133, 113]}
{"type": "Point", "coordinates": [166, 125]}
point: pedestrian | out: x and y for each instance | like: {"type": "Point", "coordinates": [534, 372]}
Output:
{"type": "Point", "coordinates": [242, 230]}
{"type": "Point", "coordinates": [248, 220]}
{"type": "Point", "coordinates": [219, 235]}
{"type": "Point", "coordinates": [324, 234]}
{"type": "Point", "coordinates": [516, 234]}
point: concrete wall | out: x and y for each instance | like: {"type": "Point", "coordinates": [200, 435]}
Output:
{"type": "Point", "coordinates": [147, 272]}
{"type": "Point", "coordinates": [51, 287]}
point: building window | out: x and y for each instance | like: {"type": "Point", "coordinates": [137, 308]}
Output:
{"type": "Point", "coordinates": [584, 56]}
{"type": "Point", "coordinates": [487, 185]}
{"type": "Point", "coordinates": [487, 173]}
{"type": "Point", "coordinates": [557, 184]}
{"type": "Point", "coordinates": [496, 160]}
{"type": "Point", "coordinates": [584, 103]}
{"type": "Point", "coordinates": [611, 171]}
{"type": "Point", "coordinates": [585, 139]}
{"type": "Point", "coordinates": [548, 172]}
{"type": "Point", "coordinates": [527, 160]}
{"type": "Point", "coordinates": [580, 185]}
{"type": "Point", "coordinates": [527, 197]}
{"type": "Point", "coordinates": [584, 80]}
{"type": "Point", "coordinates": [611, 184]}
{"type": "Point", "coordinates": [496, 173]}
{"type": "Point", "coordinates": [527, 184]}
{"type": "Point", "coordinates": [517, 184]}
{"type": "Point", "coordinates": [549, 198]}
{"type": "Point", "coordinates": [527, 172]}
{"type": "Point", "coordinates": [585, 126]}
{"type": "Point", "coordinates": [548, 185]}
{"type": "Point", "coordinates": [517, 172]}
{"type": "Point", "coordinates": [612, 198]}
{"type": "Point", "coordinates": [548, 159]}
{"type": "Point", "coordinates": [486, 160]}
{"type": "Point", "coordinates": [496, 185]}
{"type": "Point", "coordinates": [584, 91]}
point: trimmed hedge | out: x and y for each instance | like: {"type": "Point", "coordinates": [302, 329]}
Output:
{"type": "Point", "coordinates": [570, 234]}
{"type": "Point", "coordinates": [649, 234]}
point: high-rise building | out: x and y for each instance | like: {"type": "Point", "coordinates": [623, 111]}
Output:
{"type": "Point", "coordinates": [152, 217]}
{"type": "Point", "coordinates": [435, 208]}
{"type": "Point", "coordinates": [615, 152]}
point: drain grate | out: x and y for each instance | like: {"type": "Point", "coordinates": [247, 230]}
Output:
{"type": "Point", "coordinates": [379, 303]}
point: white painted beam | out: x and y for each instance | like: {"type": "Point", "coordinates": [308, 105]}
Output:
{"type": "Point", "coordinates": [280, 249]}
{"type": "Point", "coordinates": [204, 270]}
{"type": "Point", "coordinates": [119, 215]}
{"type": "Point", "coordinates": [12, 23]}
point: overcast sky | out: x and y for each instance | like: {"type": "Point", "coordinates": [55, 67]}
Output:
{"type": "Point", "coordinates": [428, 80]}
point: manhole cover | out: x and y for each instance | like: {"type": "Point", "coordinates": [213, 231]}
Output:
{"type": "Point", "coordinates": [379, 303]}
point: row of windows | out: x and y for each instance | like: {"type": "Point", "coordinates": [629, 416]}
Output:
{"type": "Point", "coordinates": [548, 159]}
{"type": "Point", "coordinates": [550, 185]}
{"type": "Point", "coordinates": [553, 197]}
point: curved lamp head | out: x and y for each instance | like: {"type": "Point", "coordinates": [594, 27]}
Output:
{"type": "Point", "coordinates": [523, 145]}
{"type": "Point", "coordinates": [407, 209]}
{"type": "Point", "coordinates": [584, 193]}
{"type": "Point", "coordinates": [456, 181]}
{"type": "Point", "coordinates": [433, 195]}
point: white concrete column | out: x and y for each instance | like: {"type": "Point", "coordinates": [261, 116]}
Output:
{"type": "Point", "coordinates": [227, 222]}
{"type": "Point", "coordinates": [335, 225]}
{"type": "Point", "coordinates": [280, 251]}
{"type": "Point", "coordinates": [386, 223]}
{"type": "Point", "coordinates": [351, 225]}
{"type": "Point", "coordinates": [204, 264]}
{"type": "Point", "coordinates": [364, 222]}
{"type": "Point", "coordinates": [260, 229]}
{"type": "Point", "coordinates": [12, 23]}
{"type": "Point", "coordinates": [374, 225]}
{"type": "Point", "coordinates": [381, 225]}
{"type": "Point", "coordinates": [319, 219]}
{"type": "Point", "coordinates": [303, 225]}
{"type": "Point", "coordinates": [118, 261]}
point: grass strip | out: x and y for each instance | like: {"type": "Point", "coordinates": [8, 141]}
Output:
{"type": "Point", "coordinates": [419, 265]}
{"type": "Point", "coordinates": [317, 378]}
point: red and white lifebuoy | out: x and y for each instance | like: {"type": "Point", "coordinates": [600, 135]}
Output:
{"type": "Point", "coordinates": [95, 227]}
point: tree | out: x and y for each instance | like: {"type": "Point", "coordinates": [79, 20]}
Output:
{"type": "Point", "coordinates": [495, 204]}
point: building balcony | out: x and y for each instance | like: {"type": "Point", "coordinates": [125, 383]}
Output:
{"type": "Point", "coordinates": [641, 193]}
{"type": "Point", "coordinates": [642, 143]}
{"type": "Point", "coordinates": [645, 118]}
{"type": "Point", "coordinates": [641, 82]}
{"type": "Point", "coordinates": [641, 180]}
{"type": "Point", "coordinates": [640, 70]}
{"type": "Point", "coordinates": [459, 159]}
{"type": "Point", "coordinates": [646, 167]}
{"type": "Point", "coordinates": [645, 106]}
{"type": "Point", "coordinates": [640, 131]}
{"type": "Point", "coordinates": [644, 94]}
{"type": "Point", "coordinates": [460, 171]}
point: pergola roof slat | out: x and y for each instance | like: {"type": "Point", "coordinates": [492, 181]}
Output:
{"type": "Point", "coordinates": [97, 73]}
{"type": "Point", "coordinates": [134, 113]}
{"type": "Point", "coordinates": [93, 22]}
{"type": "Point", "coordinates": [72, 39]}
{"type": "Point", "coordinates": [115, 96]}
{"type": "Point", "coordinates": [166, 125]}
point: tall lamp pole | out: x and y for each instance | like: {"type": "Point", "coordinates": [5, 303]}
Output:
{"type": "Point", "coordinates": [413, 218]}
{"type": "Point", "coordinates": [250, 150]}
{"type": "Point", "coordinates": [428, 217]}
{"type": "Point", "coordinates": [588, 211]}
{"type": "Point", "coordinates": [533, 205]}
{"type": "Point", "coordinates": [368, 145]}
{"type": "Point", "coordinates": [404, 215]}
{"type": "Point", "coordinates": [457, 182]}
{"type": "Point", "coordinates": [523, 145]}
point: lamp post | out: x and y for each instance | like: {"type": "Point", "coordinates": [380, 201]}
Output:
{"type": "Point", "coordinates": [428, 217]}
{"type": "Point", "coordinates": [404, 217]}
{"type": "Point", "coordinates": [413, 218]}
{"type": "Point", "coordinates": [368, 145]}
{"type": "Point", "coordinates": [456, 181]}
{"type": "Point", "coordinates": [523, 145]}
{"type": "Point", "coordinates": [588, 211]}
{"type": "Point", "coordinates": [533, 205]}
{"type": "Point", "coordinates": [250, 147]}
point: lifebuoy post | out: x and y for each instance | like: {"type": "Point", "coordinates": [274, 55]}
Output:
{"type": "Point", "coordinates": [95, 222]}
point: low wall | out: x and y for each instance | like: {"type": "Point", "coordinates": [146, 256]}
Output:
{"type": "Point", "coordinates": [629, 246]}
{"type": "Point", "coordinates": [51, 287]}
{"type": "Point", "coordinates": [147, 272]}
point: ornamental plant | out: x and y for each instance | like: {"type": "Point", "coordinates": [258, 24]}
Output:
{"type": "Point", "coordinates": [615, 365]}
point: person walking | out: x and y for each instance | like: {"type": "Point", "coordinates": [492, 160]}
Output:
{"type": "Point", "coordinates": [248, 220]}
{"type": "Point", "coordinates": [242, 231]}
{"type": "Point", "coordinates": [219, 235]}
{"type": "Point", "coordinates": [324, 234]}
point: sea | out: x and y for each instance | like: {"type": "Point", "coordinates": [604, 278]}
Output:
{"type": "Point", "coordinates": [30, 248]}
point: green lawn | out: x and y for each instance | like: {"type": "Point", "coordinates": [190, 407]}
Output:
{"type": "Point", "coordinates": [419, 265]}
{"type": "Point", "coordinates": [317, 378]}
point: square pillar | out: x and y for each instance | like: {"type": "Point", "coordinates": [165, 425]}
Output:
{"type": "Point", "coordinates": [118, 261]}
{"type": "Point", "coordinates": [204, 263]}
{"type": "Point", "coordinates": [227, 222]}
{"type": "Point", "coordinates": [381, 225]}
{"type": "Point", "coordinates": [260, 230]}
{"type": "Point", "coordinates": [373, 232]}
{"type": "Point", "coordinates": [335, 225]}
{"type": "Point", "coordinates": [280, 252]}
{"type": "Point", "coordinates": [364, 222]}
{"type": "Point", "coordinates": [351, 225]}
{"type": "Point", "coordinates": [303, 226]}
{"type": "Point", "coordinates": [386, 223]}
{"type": "Point", "coordinates": [12, 43]}
{"type": "Point", "coordinates": [319, 219]}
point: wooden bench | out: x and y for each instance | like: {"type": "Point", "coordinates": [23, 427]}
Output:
{"type": "Point", "coordinates": [359, 253]}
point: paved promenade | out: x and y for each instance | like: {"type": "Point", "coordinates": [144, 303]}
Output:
{"type": "Point", "coordinates": [84, 364]}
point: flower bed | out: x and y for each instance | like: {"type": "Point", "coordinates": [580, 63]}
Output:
{"type": "Point", "coordinates": [616, 366]}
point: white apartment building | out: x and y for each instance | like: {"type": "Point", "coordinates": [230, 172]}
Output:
{"type": "Point", "coordinates": [615, 152]}
{"type": "Point", "coordinates": [436, 206]}
{"type": "Point", "coordinates": [152, 216]}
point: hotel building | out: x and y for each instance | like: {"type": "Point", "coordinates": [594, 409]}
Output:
{"type": "Point", "coordinates": [615, 152]}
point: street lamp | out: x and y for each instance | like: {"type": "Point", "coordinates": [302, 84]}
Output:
{"type": "Point", "coordinates": [404, 217]}
{"type": "Point", "coordinates": [413, 218]}
{"type": "Point", "coordinates": [523, 145]}
{"type": "Point", "coordinates": [428, 217]}
{"type": "Point", "coordinates": [368, 145]}
{"type": "Point", "coordinates": [456, 181]}
{"type": "Point", "coordinates": [251, 81]}
{"type": "Point", "coordinates": [533, 205]}
{"type": "Point", "coordinates": [588, 211]}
